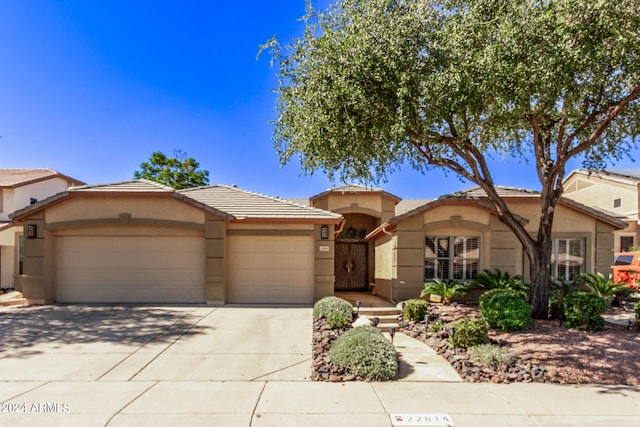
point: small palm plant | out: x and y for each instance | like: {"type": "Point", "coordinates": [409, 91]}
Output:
{"type": "Point", "coordinates": [500, 280]}
{"type": "Point", "coordinates": [602, 286]}
{"type": "Point", "coordinates": [446, 289]}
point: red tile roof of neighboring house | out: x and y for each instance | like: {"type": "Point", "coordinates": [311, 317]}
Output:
{"type": "Point", "coordinates": [12, 178]}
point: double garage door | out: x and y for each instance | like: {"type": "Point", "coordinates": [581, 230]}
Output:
{"type": "Point", "coordinates": [171, 269]}
{"type": "Point", "coordinates": [138, 269]}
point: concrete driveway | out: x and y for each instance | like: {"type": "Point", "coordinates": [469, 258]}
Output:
{"type": "Point", "coordinates": [140, 343]}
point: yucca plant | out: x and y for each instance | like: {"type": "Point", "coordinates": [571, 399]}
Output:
{"type": "Point", "coordinates": [500, 280]}
{"type": "Point", "coordinates": [446, 289]}
{"type": "Point", "coordinates": [602, 286]}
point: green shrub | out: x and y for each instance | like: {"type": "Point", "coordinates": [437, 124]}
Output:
{"type": "Point", "coordinates": [602, 286]}
{"type": "Point", "coordinates": [636, 308]}
{"type": "Point", "coordinates": [499, 280]}
{"type": "Point", "coordinates": [365, 352]}
{"type": "Point", "coordinates": [584, 310]}
{"type": "Point", "coordinates": [557, 293]}
{"type": "Point", "coordinates": [468, 333]}
{"type": "Point", "coordinates": [506, 310]}
{"type": "Point", "coordinates": [336, 319]}
{"type": "Point", "coordinates": [415, 309]}
{"type": "Point", "coordinates": [332, 304]}
{"type": "Point", "coordinates": [447, 289]}
{"type": "Point", "coordinates": [491, 355]}
{"type": "Point", "coordinates": [436, 326]}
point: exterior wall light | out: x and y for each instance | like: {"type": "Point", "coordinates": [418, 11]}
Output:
{"type": "Point", "coordinates": [324, 232]}
{"type": "Point", "coordinates": [32, 231]}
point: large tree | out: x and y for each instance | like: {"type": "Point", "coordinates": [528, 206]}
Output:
{"type": "Point", "coordinates": [374, 84]}
{"type": "Point", "coordinates": [178, 171]}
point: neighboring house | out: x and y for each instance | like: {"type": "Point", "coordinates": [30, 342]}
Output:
{"type": "Point", "coordinates": [614, 191]}
{"type": "Point", "coordinates": [459, 235]}
{"type": "Point", "coordinates": [20, 188]}
{"type": "Point", "coordinates": [139, 241]}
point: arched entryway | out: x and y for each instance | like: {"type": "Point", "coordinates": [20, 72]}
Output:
{"type": "Point", "coordinates": [352, 266]}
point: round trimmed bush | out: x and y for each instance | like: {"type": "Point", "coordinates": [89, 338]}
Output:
{"type": "Point", "coordinates": [415, 309]}
{"type": "Point", "coordinates": [506, 310]}
{"type": "Point", "coordinates": [332, 304]}
{"type": "Point", "coordinates": [468, 333]}
{"type": "Point", "coordinates": [365, 352]}
{"type": "Point", "coordinates": [583, 310]}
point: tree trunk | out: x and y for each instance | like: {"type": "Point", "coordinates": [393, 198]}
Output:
{"type": "Point", "coordinates": [540, 275]}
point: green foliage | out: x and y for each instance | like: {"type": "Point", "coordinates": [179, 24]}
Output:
{"type": "Point", "coordinates": [179, 172]}
{"type": "Point", "coordinates": [601, 286]}
{"type": "Point", "coordinates": [372, 85]}
{"type": "Point", "coordinates": [365, 352]}
{"type": "Point", "coordinates": [435, 327]}
{"type": "Point", "coordinates": [507, 310]}
{"type": "Point", "coordinates": [584, 311]}
{"type": "Point", "coordinates": [499, 280]}
{"type": "Point", "coordinates": [336, 319]}
{"type": "Point", "coordinates": [557, 293]}
{"type": "Point", "coordinates": [415, 309]}
{"type": "Point", "coordinates": [491, 355]}
{"type": "Point", "coordinates": [468, 333]}
{"type": "Point", "coordinates": [331, 304]}
{"type": "Point", "coordinates": [636, 308]}
{"type": "Point", "coordinates": [447, 289]}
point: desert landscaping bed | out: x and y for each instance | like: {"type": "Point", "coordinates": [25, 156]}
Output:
{"type": "Point", "coordinates": [546, 352]}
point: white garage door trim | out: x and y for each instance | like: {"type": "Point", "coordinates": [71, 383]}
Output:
{"type": "Point", "coordinates": [271, 269]}
{"type": "Point", "coordinates": [130, 269]}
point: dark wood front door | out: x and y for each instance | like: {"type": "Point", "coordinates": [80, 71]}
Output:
{"type": "Point", "coordinates": [351, 266]}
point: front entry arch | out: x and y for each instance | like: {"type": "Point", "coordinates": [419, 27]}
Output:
{"type": "Point", "coordinates": [351, 266]}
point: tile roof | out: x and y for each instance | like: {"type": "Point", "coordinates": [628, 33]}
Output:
{"type": "Point", "coordinates": [478, 195]}
{"type": "Point", "coordinates": [134, 185]}
{"type": "Point", "coordinates": [12, 178]}
{"type": "Point", "coordinates": [503, 191]}
{"type": "Point", "coordinates": [245, 204]}
{"type": "Point", "coordinates": [355, 189]}
{"type": "Point", "coordinates": [406, 205]}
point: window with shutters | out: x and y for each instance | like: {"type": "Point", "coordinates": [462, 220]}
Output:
{"type": "Point", "coordinates": [567, 258]}
{"type": "Point", "coordinates": [451, 257]}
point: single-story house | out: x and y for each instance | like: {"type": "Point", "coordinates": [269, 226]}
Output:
{"type": "Point", "coordinates": [139, 241]}
{"type": "Point", "coordinates": [458, 235]}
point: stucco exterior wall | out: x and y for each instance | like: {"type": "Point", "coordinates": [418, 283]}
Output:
{"type": "Point", "coordinates": [385, 265]}
{"type": "Point", "coordinates": [101, 208]}
{"type": "Point", "coordinates": [598, 192]}
{"type": "Point", "coordinates": [499, 248]}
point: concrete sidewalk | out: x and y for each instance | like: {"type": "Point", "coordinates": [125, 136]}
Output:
{"type": "Point", "coordinates": [295, 403]}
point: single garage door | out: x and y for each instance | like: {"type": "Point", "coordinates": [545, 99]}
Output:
{"type": "Point", "coordinates": [271, 269]}
{"type": "Point", "coordinates": [142, 269]}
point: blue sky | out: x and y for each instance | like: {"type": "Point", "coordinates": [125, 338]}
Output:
{"type": "Point", "coordinates": [91, 88]}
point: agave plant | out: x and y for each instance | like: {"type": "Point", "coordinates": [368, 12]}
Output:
{"type": "Point", "coordinates": [446, 289]}
{"type": "Point", "coordinates": [602, 286]}
{"type": "Point", "coordinates": [500, 280]}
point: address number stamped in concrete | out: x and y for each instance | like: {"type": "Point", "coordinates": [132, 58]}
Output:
{"type": "Point", "coordinates": [430, 420]}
